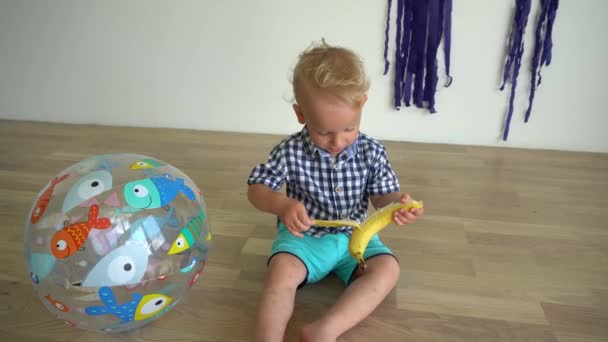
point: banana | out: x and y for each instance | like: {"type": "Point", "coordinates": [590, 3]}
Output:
{"type": "Point", "coordinates": [363, 233]}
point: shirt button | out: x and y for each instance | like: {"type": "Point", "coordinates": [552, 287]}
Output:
{"type": "Point", "coordinates": [343, 215]}
{"type": "Point", "coordinates": [336, 166]}
{"type": "Point", "coordinates": [339, 189]}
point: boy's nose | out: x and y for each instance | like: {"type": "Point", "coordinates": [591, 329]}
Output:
{"type": "Point", "coordinates": [335, 141]}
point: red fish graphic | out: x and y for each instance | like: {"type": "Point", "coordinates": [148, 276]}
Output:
{"type": "Point", "coordinates": [45, 198]}
{"type": "Point", "coordinates": [68, 240]}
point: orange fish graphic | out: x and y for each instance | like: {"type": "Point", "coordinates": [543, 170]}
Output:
{"type": "Point", "coordinates": [68, 240]}
{"type": "Point", "coordinates": [45, 198]}
{"type": "Point", "coordinates": [57, 304]}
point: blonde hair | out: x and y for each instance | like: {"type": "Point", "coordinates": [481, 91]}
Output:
{"type": "Point", "coordinates": [330, 68]}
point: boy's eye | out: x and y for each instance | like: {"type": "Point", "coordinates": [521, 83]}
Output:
{"type": "Point", "coordinates": [349, 130]}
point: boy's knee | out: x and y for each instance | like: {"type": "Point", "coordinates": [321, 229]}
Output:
{"type": "Point", "coordinates": [286, 271]}
{"type": "Point", "coordinates": [387, 265]}
{"type": "Point", "coordinates": [394, 269]}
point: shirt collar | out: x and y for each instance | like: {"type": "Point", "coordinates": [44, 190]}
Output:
{"type": "Point", "coordinates": [313, 150]}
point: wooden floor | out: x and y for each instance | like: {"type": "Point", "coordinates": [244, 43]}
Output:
{"type": "Point", "coordinates": [513, 246]}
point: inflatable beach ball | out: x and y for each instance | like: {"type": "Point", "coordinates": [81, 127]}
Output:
{"type": "Point", "coordinates": [115, 241]}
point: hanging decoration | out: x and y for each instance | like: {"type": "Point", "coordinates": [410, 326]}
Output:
{"type": "Point", "coordinates": [420, 24]}
{"type": "Point", "coordinates": [542, 51]}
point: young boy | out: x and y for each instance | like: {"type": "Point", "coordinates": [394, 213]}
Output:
{"type": "Point", "coordinates": [332, 171]}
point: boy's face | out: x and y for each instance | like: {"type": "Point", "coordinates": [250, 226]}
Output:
{"type": "Point", "coordinates": [333, 124]}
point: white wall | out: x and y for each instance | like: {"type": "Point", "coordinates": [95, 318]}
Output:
{"type": "Point", "coordinates": [224, 65]}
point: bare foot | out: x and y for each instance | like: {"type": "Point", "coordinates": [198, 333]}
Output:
{"type": "Point", "coordinates": [314, 332]}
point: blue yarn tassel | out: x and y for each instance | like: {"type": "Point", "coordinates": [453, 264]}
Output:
{"type": "Point", "coordinates": [516, 50]}
{"type": "Point", "coordinates": [420, 26]}
{"type": "Point", "coordinates": [543, 44]}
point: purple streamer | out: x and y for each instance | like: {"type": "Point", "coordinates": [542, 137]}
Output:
{"type": "Point", "coordinates": [543, 42]}
{"type": "Point", "coordinates": [408, 19]}
{"type": "Point", "coordinates": [447, 37]}
{"type": "Point", "coordinates": [434, 36]}
{"type": "Point", "coordinates": [388, 19]}
{"type": "Point", "coordinates": [420, 10]}
{"type": "Point", "coordinates": [420, 26]}
{"type": "Point", "coordinates": [548, 41]}
{"type": "Point", "coordinates": [538, 46]}
{"type": "Point", "coordinates": [516, 50]}
{"type": "Point", "coordinates": [399, 60]}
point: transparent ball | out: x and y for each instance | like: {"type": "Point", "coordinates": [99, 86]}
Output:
{"type": "Point", "coordinates": [115, 241]}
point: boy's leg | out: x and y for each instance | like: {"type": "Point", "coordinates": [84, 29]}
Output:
{"type": "Point", "coordinates": [285, 273]}
{"type": "Point", "coordinates": [357, 302]}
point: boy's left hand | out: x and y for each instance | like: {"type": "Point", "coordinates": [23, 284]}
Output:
{"type": "Point", "coordinates": [403, 217]}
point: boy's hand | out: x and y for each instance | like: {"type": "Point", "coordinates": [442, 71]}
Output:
{"type": "Point", "coordinates": [403, 217]}
{"type": "Point", "coordinates": [295, 217]}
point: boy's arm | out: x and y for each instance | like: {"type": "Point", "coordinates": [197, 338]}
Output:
{"type": "Point", "coordinates": [380, 201]}
{"type": "Point", "coordinates": [265, 199]}
{"type": "Point", "coordinates": [384, 181]}
{"type": "Point", "coordinates": [292, 213]}
{"type": "Point", "coordinates": [401, 217]}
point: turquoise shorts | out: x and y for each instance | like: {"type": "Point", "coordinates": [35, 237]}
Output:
{"type": "Point", "coordinates": [325, 254]}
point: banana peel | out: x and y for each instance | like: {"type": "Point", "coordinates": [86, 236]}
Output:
{"type": "Point", "coordinates": [363, 232]}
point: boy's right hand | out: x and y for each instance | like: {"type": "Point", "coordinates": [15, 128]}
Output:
{"type": "Point", "coordinates": [295, 217]}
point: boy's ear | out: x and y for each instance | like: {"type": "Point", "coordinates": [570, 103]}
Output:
{"type": "Point", "coordinates": [363, 100]}
{"type": "Point", "coordinates": [299, 113]}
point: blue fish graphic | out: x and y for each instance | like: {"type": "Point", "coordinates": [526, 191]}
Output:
{"type": "Point", "coordinates": [155, 192]}
{"type": "Point", "coordinates": [139, 308]}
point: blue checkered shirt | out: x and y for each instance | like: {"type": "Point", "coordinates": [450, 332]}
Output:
{"type": "Point", "coordinates": [331, 188]}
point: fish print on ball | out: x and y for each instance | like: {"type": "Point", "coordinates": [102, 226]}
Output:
{"type": "Point", "coordinates": [155, 192]}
